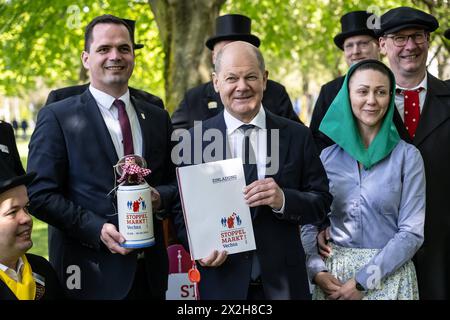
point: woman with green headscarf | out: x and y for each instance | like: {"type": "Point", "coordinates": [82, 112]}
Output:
{"type": "Point", "coordinates": [378, 187]}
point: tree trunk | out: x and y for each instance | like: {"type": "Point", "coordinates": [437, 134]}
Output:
{"type": "Point", "coordinates": [184, 27]}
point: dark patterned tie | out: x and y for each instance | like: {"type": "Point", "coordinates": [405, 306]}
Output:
{"type": "Point", "coordinates": [125, 128]}
{"type": "Point", "coordinates": [249, 158]}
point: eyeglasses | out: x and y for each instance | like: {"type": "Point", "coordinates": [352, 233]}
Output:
{"type": "Point", "coordinates": [360, 44]}
{"type": "Point", "coordinates": [402, 40]}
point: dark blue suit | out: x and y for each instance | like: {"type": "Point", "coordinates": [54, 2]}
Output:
{"type": "Point", "coordinates": [72, 152]}
{"type": "Point", "coordinates": [282, 259]}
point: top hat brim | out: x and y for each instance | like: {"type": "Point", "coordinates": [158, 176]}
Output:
{"type": "Point", "coordinates": [250, 38]}
{"type": "Point", "coordinates": [341, 37]}
{"type": "Point", "coordinates": [447, 34]}
{"type": "Point", "coordinates": [12, 182]}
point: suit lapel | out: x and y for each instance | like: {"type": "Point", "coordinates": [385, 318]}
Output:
{"type": "Point", "coordinates": [146, 130]}
{"type": "Point", "coordinates": [400, 125]}
{"type": "Point", "coordinates": [212, 97]}
{"type": "Point", "coordinates": [97, 124]}
{"type": "Point", "coordinates": [218, 123]}
{"type": "Point", "coordinates": [281, 146]}
{"type": "Point", "coordinates": [280, 149]}
{"type": "Point", "coordinates": [436, 109]}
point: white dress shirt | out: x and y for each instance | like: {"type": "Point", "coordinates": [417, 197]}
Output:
{"type": "Point", "coordinates": [110, 115]}
{"type": "Point", "coordinates": [16, 275]}
{"type": "Point", "coordinates": [258, 140]}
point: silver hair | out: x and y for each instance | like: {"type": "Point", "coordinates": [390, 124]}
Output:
{"type": "Point", "coordinates": [255, 50]}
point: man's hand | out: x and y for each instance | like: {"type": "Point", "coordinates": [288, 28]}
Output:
{"type": "Point", "coordinates": [327, 282]}
{"type": "Point", "coordinates": [348, 291]}
{"type": "Point", "coordinates": [322, 240]}
{"type": "Point", "coordinates": [215, 259]}
{"type": "Point", "coordinates": [112, 239]}
{"type": "Point", "coordinates": [264, 192]}
{"type": "Point", "coordinates": [156, 199]}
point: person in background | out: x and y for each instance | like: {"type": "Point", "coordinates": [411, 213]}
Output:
{"type": "Point", "coordinates": [8, 149]}
{"type": "Point", "coordinates": [23, 276]}
{"type": "Point", "coordinates": [357, 43]}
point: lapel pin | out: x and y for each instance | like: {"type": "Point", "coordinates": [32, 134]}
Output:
{"type": "Point", "coordinates": [212, 105]}
{"type": "Point", "coordinates": [143, 116]}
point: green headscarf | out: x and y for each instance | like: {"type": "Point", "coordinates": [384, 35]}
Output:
{"type": "Point", "coordinates": [341, 126]}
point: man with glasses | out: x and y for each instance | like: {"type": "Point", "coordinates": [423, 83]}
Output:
{"type": "Point", "coordinates": [423, 119]}
{"type": "Point", "coordinates": [358, 43]}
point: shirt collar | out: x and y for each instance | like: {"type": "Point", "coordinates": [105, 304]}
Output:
{"type": "Point", "coordinates": [422, 84]}
{"type": "Point", "coordinates": [19, 267]}
{"type": "Point", "coordinates": [232, 123]}
{"type": "Point", "coordinates": [104, 100]}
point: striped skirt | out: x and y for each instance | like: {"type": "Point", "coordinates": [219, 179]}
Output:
{"type": "Point", "coordinates": [344, 263]}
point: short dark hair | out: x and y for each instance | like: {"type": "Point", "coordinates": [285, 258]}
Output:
{"type": "Point", "coordinates": [106, 18]}
{"type": "Point", "coordinates": [376, 66]}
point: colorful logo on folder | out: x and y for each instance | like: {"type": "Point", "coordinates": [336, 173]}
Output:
{"type": "Point", "coordinates": [231, 221]}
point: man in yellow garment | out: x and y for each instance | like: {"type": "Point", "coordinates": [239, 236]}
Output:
{"type": "Point", "coordinates": [22, 276]}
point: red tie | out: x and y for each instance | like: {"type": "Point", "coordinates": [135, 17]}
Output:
{"type": "Point", "coordinates": [412, 110]}
{"type": "Point", "coordinates": [125, 127]}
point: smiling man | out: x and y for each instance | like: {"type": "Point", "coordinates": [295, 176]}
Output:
{"type": "Point", "coordinates": [76, 143]}
{"type": "Point", "coordinates": [296, 193]}
{"type": "Point", "coordinates": [358, 43]}
{"type": "Point", "coordinates": [423, 119]}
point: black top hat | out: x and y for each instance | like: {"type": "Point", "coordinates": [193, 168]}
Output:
{"type": "Point", "coordinates": [132, 24]}
{"type": "Point", "coordinates": [353, 24]}
{"type": "Point", "coordinates": [406, 17]}
{"type": "Point", "coordinates": [233, 27]}
{"type": "Point", "coordinates": [447, 33]}
{"type": "Point", "coordinates": [9, 180]}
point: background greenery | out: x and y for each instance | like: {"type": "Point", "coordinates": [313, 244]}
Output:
{"type": "Point", "coordinates": [39, 235]}
{"type": "Point", "coordinates": [41, 40]}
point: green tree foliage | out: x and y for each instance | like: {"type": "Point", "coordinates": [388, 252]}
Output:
{"type": "Point", "coordinates": [298, 34]}
{"type": "Point", "coordinates": [41, 40]}
{"type": "Point", "coordinates": [41, 43]}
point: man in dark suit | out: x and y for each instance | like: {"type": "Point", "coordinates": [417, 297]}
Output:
{"type": "Point", "coordinates": [73, 149]}
{"type": "Point", "coordinates": [62, 93]}
{"type": "Point", "coordinates": [289, 192]}
{"type": "Point", "coordinates": [203, 102]}
{"type": "Point", "coordinates": [423, 119]}
{"type": "Point", "coordinates": [22, 276]}
{"type": "Point", "coordinates": [8, 149]}
{"type": "Point", "coordinates": [357, 43]}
